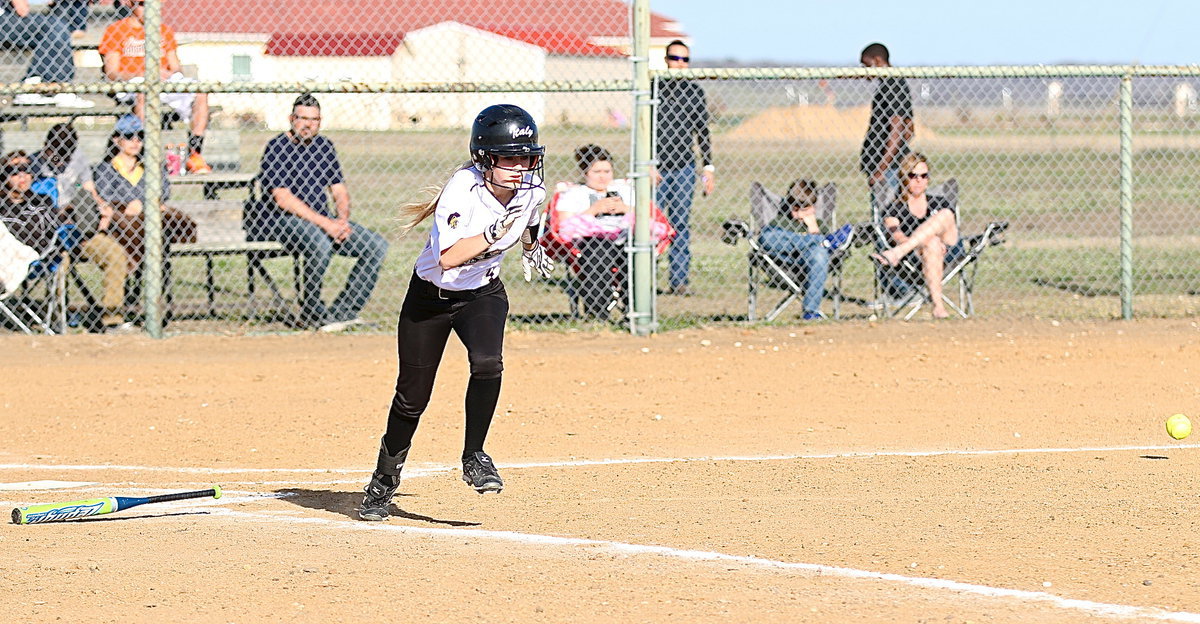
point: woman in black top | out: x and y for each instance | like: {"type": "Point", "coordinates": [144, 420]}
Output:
{"type": "Point", "coordinates": [920, 223]}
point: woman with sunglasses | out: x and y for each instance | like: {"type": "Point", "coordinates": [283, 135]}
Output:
{"type": "Point", "coordinates": [488, 206]}
{"type": "Point", "coordinates": [120, 182]}
{"type": "Point", "coordinates": [921, 223]}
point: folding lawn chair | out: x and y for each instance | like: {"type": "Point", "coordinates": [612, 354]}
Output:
{"type": "Point", "coordinates": [44, 272]}
{"type": "Point", "coordinates": [902, 289]}
{"type": "Point", "coordinates": [765, 271]}
{"type": "Point", "coordinates": [565, 254]}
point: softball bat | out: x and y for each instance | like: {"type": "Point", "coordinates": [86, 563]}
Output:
{"type": "Point", "coordinates": [58, 512]}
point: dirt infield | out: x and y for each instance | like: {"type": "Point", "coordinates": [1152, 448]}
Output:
{"type": "Point", "coordinates": [913, 472]}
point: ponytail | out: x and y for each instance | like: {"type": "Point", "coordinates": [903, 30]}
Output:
{"type": "Point", "coordinates": [417, 212]}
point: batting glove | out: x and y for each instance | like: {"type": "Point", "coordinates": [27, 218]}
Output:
{"type": "Point", "coordinates": [536, 260]}
{"type": "Point", "coordinates": [497, 230]}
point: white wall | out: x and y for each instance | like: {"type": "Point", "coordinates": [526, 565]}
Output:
{"type": "Point", "coordinates": [456, 53]}
{"type": "Point", "coordinates": [443, 52]}
{"type": "Point", "coordinates": [339, 111]}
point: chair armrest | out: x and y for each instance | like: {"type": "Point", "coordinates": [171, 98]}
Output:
{"type": "Point", "coordinates": [734, 229]}
{"type": "Point", "coordinates": [995, 232]}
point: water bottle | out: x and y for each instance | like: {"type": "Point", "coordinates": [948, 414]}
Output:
{"type": "Point", "coordinates": [182, 149]}
{"type": "Point", "coordinates": [174, 164]}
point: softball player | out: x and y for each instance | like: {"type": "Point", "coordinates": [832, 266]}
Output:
{"type": "Point", "coordinates": [487, 207]}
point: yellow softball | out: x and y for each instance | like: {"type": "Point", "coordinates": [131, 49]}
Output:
{"type": "Point", "coordinates": [1179, 427]}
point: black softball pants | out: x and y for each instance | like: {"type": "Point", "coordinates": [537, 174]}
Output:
{"type": "Point", "coordinates": [426, 319]}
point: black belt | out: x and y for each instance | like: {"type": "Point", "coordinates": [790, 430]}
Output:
{"type": "Point", "coordinates": [435, 292]}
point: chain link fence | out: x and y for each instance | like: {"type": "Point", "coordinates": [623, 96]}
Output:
{"type": "Point", "coordinates": [1039, 149]}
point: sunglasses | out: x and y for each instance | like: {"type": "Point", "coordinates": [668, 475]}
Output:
{"type": "Point", "coordinates": [672, 57]}
{"type": "Point", "coordinates": [129, 137]}
{"type": "Point", "coordinates": [17, 169]}
{"type": "Point", "coordinates": [918, 176]}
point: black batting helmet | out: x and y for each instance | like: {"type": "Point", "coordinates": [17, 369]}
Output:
{"type": "Point", "coordinates": [504, 130]}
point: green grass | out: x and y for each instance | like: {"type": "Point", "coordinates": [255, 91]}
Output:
{"type": "Point", "coordinates": [1062, 204]}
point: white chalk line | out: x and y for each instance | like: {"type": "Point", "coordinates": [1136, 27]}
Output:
{"type": "Point", "coordinates": [44, 485]}
{"type": "Point", "coordinates": [423, 471]}
{"type": "Point", "coordinates": [1091, 607]}
{"type": "Point", "coordinates": [1086, 606]}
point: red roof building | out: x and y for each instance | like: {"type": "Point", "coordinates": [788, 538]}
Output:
{"type": "Point", "coordinates": [378, 27]}
{"type": "Point", "coordinates": [413, 41]}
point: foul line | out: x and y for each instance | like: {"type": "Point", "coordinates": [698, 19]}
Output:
{"type": "Point", "coordinates": [436, 469]}
{"type": "Point", "coordinates": [1086, 606]}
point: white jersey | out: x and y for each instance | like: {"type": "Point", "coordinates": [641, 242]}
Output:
{"type": "Point", "coordinates": [465, 209]}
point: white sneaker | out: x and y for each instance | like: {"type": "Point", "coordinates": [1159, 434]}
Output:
{"type": "Point", "coordinates": [124, 328]}
{"type": "Point", "coordinates": [32, 99]}
{"type": "Point", "coordinates": [72, 100]}
{"type": "Point", "coordinates": [341, 326]}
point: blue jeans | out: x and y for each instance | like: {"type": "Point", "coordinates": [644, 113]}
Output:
{"type": "Point", "coordinates": [804, 256]}
{"type": "Point", "coordinates": [675, 199]}
{"type": "Point", "coordinates": [72, 12]}
{"type": "Point", "coordinates": [316, 248]}
{"type": "Point", "coordinates": [48, 38]}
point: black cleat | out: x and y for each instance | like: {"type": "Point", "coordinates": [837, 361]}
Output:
{"type": "Point", "coordinates": [382, 487]}
{"type": "Point", "coordinates": [378, 497]}
{"type": "Point", "coordinates": [480, 473]}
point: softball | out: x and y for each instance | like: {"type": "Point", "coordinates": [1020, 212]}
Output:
{"type": "Point", "coordinates": [1179, 427]}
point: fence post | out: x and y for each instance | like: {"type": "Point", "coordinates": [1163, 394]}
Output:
{"type": "Point", "coordinates": [642, 319]}
{"type": "Point", "coordinates": [152, 263]}
{"type": "Point", "coordinates": [1127, 196]}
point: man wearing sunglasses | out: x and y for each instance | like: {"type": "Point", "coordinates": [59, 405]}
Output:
{"type": "Point", "coordinates": [891, 126]}
{"type": "Point", "coordinates": [681, 125]}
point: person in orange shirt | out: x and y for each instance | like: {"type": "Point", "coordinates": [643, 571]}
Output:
{"type": "Point", "coordinates": [123, 47]}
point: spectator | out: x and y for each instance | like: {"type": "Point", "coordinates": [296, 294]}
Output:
{"type": "Point", "coordinates": [891, 125]}
{"type": "Point", "coordinates": [61, 170]}
{"type": "Point", "coordinates": [922, 223]}
{"type": "Point", "coordinates": [596, 217]}
{"type": "Point", "coordinates": [297, 168]}
{"type": "Point", "coordinates": [797, 242]}
{"type": "Point", "coordinates": [64, 170]}
{"type": "Point", "coordinates": [682, 124]}
{"type": "Point", "coordinates": [50, 42]}
{"type": "Point", "coordinates": [29, 216]}
{"type": "Point", "coordinates": [123, 47]}
{"type": "Point", "coordinates": [121, 189]}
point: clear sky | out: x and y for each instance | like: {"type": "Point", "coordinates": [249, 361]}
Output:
{"type": "Point", "coordinates": [942, 32]}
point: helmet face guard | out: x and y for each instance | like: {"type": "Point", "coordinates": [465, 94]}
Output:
{"type": "Point", "coordinates": [507, 130]}
{"type": "Point", "coordinates": [532, 176]}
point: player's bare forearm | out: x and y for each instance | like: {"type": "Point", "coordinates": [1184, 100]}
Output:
{"type": "Point", "coordinates": [458, 253]}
